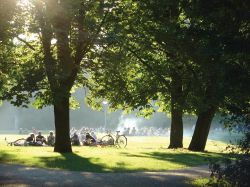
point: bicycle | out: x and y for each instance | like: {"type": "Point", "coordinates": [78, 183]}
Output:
{"type": "Point", "coordinates": [119, 140]}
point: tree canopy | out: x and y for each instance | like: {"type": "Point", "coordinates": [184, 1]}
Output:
{"type": "Point", "coordinates": [181, 56]}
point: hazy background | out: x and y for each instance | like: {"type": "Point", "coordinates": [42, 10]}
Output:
{"type": "Point", "coordinates": [13, 118]}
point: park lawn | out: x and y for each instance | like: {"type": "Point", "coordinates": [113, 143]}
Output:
{"type": "Point", "coordinates": [141, 154]}
{"type": "Point", "coordinates": [200, 182]}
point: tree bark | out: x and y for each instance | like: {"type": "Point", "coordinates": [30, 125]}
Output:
{"type": "Point", "coordinates": [176, 133]}
{"type": "Point", "coordinates": [61, 70]}
{"type": "Point", "coordinates": [61, 114]}
{"type": "Point", "coordinates": [201, 131]}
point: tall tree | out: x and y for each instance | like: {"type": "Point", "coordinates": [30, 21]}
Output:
{"type": "Point", "coordinates": [7, 11]}
{"type": "Point", "coordinates": [219, 33]}
{"type": "Point", "coordinates": [160, 38]}
{"type": "Point", "coordinates": [76, 26]}
{"type": "Point", "coordinates": [147, 41]}
{"type": "Point", "coordinates": [56, 37]}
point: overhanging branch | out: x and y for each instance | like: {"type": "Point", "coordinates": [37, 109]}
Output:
{"type": "Point", "coordinates": [150, 68]}
{"type": "Point", "coordinates": [26, 43]}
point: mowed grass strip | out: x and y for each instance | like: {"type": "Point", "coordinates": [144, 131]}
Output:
{"type": "Point", "coordinates": [141, 154]}
{"type": "Point", "coordinates": [200, 182]}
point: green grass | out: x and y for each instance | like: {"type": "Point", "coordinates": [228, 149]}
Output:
{"type": "Point", "coordinates": [200, 182]}
{"type": "Point", "coordinates": [141, 154]}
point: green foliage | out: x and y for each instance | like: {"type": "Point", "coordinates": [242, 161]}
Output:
{"type": "Point", "coordinates": [216, 31]}
{"type": "Point", "coordinates": [150, 43]}
{"type": "Point", "coordinates": [29, 72]}
{"type": "Point", "coordinates": [232, 174]}
{"type": "Point", "coordinates": [7, 11]}
{"type": "Point", "coordinates": [132, 68]}
{"type": "Point", "coordinates": [199, 182]}
{"type": "Point", "coordinates": [186, 55]}
{"type": "Point", "coordinates": [43, 98]}
{"type": "Point", "coordinates": [74, 104]}
{"type": "Point", "coordinates": [227, 173]}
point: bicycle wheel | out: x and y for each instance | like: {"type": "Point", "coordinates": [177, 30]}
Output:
{"type": "Point", "coordinates": [107, 140]}
{"type": "Point", "coordinates": [122, 141]}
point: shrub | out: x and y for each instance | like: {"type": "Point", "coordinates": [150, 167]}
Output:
{"type": "Point", "coordinates": [233, 173]}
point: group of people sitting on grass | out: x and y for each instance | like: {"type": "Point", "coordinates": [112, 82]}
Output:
{"type": "Point", "coordinates": [86, 139]}
{"type": "Point", "coordinates": [40, 140]}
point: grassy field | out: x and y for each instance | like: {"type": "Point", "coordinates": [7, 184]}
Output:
{"type": "Point", "coordinates": [141, 154]}
{"type": "Point", "coordinates": [200, 182]}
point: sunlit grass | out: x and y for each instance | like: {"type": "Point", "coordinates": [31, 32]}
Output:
{"type": "Point", "coordinates": [200, 182]}
{"type": "Point", "coordinates": [141, 154]}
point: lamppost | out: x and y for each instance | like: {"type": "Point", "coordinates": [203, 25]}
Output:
{"type": "Point", "coordinates": [105, 103]}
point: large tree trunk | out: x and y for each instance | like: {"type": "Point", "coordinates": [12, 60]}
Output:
{"type": "Point", "coordinates": [176, 133]}
{"type": "Point", "coordinates": [201, 131]}
{"type": "Point", "coordinates": [61, 113]}
{"type": "Point", "coordinates": [62, 70]}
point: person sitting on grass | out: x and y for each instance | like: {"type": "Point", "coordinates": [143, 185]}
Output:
{"type": "Point", "coordinates": [75, 139]}
{"type": "Point", "coordinates": [133, 132]}
{"type": "Point", "coordinates": [94, 135]}
{"type": "Point", "coordinates": [51, 139]}
{"type": "Point", "coordinates": [40, 139]}
{"type": "Point", "coordinates": [89, 140]}
{"type": "Point", "coordinates": [30, 140]}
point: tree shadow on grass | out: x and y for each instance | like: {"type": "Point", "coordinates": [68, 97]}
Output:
{"type": "Point", "coordinates": [5, 157]}
{"type": "Point", "coordinates": [65, 161]}
{"type": "Point", "coordinates": [73, 162]}
{"type": "Point", "coordinates": [186, 159]}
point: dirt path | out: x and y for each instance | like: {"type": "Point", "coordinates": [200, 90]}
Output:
{"type": "Point", "coordinates": [22, 176]}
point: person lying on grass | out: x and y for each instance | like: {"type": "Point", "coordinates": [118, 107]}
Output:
{"type": "Point", "coordinates": [29, 141]}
